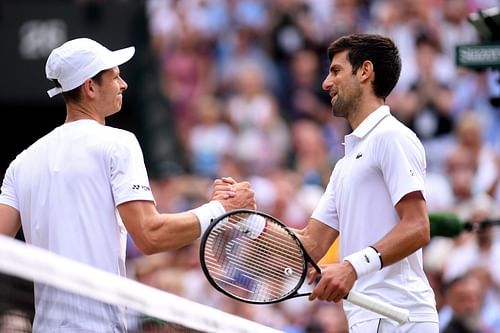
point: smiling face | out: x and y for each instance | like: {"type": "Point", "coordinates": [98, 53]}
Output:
{"type": "Point", "coordinates": [343, 86]}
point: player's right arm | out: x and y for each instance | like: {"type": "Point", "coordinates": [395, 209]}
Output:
{"type": "Point", "coordinates": [154, 232]}
{"type": "Point", "coordinates": [10, 220]}
{"type": "Point", "coordinates": [337, 279]}
{"type": "Point", "coordinates": [317, 238]}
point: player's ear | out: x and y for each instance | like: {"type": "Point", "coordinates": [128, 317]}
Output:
{"type": "Point", "coordinates": [89, 88]}
{"type": "Point", "coordinates": [365, 71]}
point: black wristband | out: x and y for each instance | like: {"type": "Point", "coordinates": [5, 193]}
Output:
{"type": "Point", "coordinates": [379, 256]}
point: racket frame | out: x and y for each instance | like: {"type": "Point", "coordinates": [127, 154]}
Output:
{"type": "Point", "coordinates": [398, 314]}
{"type": "Point", "coordinates": [292, 293]}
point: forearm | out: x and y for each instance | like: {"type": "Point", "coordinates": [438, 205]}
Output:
{"type": "Point", "coordinates": [316, 238]}
{"type": "Point", "coordinates": [165, 232]}
{"type": "Point", "coordinates": [411, 232]}
{"type": "Point", "coordinates": [404, 239]}
{"type": "Point", "coordinates": [153, 232]}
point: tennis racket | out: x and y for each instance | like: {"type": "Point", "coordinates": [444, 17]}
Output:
{"type": "Point", "coordinates": [253, 257]}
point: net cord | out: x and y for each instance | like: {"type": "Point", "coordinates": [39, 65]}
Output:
{"type": "Point", "coordinates": [40, 265]}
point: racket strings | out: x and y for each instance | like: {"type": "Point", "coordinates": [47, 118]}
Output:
{"type": "Point", "coordinates": [262, 283]}
{"type": "Point", "coordinates": [265, 267]}
{"type": "Point", "coordinates": [276, 239]}
{"type": "Point", "coordinates": [274, 235]}
{"type": "Point", "coordinates": [263, 252]}
{"type": "Point", "coordinates": [253, 267]}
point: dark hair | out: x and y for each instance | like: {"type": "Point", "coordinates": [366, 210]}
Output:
{"type": "Point", "coordinates": [75, 94]}
{"type": "Point", "coordinates": [380, 50]}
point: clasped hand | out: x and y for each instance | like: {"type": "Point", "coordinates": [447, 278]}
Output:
{"type": "Point", "coordinates": [233, 195]}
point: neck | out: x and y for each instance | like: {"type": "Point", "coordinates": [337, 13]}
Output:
{"type": "Point", "coordinates": [76, 111]}
{"type": "Point", "coordinates": [364, 110]}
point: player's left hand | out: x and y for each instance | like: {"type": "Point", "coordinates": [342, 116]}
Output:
{"type": "Point", "coordinates": [335, 283]}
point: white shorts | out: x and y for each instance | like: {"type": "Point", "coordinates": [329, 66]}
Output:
{"type": "Point", "coordinates": [390, 326]}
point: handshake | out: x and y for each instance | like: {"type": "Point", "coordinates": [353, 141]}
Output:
{"type": "Point", "coordinates": [233, 195]}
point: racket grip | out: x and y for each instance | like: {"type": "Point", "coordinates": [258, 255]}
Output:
{"type": "Point", "coordinates": [398, 314]}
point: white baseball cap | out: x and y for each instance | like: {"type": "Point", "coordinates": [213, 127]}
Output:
{"type": "Point", "coordinates": [78, 60]}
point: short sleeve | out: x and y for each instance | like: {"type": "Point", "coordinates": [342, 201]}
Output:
{"type": "Point", "coordinates": [326, 210]}
{"type": "Point", "coordinates": [402, 162]}
{"type": "Point", "coordinates": [8, 193]}
{"type": "Point", "coordinates": [129, 177]}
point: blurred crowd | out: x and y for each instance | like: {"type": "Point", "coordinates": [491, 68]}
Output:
{"type": "Point", "coordinates": [240, 84]}
{"type": "Point", "coordinates": [235, 91]}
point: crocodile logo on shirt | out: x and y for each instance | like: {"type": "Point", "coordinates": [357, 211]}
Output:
{"type": "Point", "coordinates": [359, 155]}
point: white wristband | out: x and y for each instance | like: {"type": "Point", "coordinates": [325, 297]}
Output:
{"type": "Point", "coordinates": [257, 225]}
{"type": "Point", "coordinates": [207, 213]}
{"type": "Point", "coordinates": [365, 261]}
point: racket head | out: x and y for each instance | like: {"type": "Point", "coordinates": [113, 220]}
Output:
{"type": "Point", "coordinates": [253, 257]}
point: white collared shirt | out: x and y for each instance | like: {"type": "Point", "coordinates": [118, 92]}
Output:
{"type": "Point", "coordinates": [384, 160]}
{"type": "Point", "coordinates": [66, 187]}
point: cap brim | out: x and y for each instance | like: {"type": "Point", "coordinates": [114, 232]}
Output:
{"type": "Point", "coordinates": [121, 56]}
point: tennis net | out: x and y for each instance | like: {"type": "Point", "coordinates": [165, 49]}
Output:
{"type": "Point", "coordinates": [84, 295]}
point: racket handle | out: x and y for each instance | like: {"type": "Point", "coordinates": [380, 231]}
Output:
{"type": "Point", "coordinates": [398, 314]}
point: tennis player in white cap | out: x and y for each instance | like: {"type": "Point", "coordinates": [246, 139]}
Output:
{"type": "Point", "coordinates": [78, 190]}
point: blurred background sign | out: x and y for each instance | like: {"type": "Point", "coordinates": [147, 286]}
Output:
{"type": "Point", "coordinates": [479, 56]}
{"type": "Point", "coordinates": [487, 53]}
{"type": "Point", "coordinates": [29, 30]}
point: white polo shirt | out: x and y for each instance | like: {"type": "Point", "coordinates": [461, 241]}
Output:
{"type": "Point", "coordinates": [66, 187]}
{"type": "Point", "coordinates": [384, 160]}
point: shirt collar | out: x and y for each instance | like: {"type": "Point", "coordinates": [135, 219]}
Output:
{"type": "Point", "coordinates": [371, 121]}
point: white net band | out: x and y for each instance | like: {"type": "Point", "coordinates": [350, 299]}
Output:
{"type": "Point", "coordinates": [35, 264]}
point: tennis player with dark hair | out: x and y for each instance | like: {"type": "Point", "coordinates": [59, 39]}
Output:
{"type": "Point", "coordinates": [375, 198]}
{"type": "Point", "coordinates": [78, 190]}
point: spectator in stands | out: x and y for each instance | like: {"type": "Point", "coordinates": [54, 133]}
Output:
{"type": "Point", "coordinates": [427, 105]}
{"type": "Point", "coordinates": [310, 156]}
{"type": "Point", "coordinates": [469, 134]}
{"type": "Point", "coordinates": [480, 249]}
{"type": "Point", "coordinates": [262, 136]}
{"type": "Point", "coordinates": [464, 297]}
{"type": "Point", "coordinates": [210, 138]}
